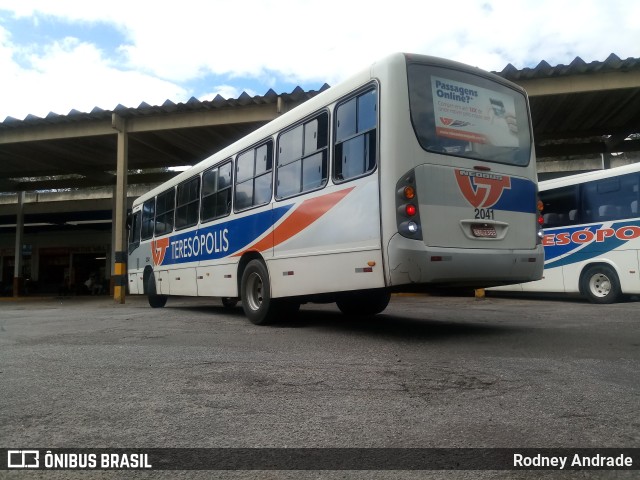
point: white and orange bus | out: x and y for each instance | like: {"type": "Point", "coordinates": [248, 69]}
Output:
{"type": "Point", "coordinates": [416, 173]}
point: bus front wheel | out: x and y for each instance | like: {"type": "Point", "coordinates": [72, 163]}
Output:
{"type": "Point", "coordinates": [155, 300]}
{"type": "Point", "coordinates": [601, 285]}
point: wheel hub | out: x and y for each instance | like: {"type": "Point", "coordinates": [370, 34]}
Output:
{"type": "Point", "coordinates": [254, 291]}
{"type": "Point", "coordinates": [600, 285]}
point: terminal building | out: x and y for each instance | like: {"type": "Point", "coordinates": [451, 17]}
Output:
{"type": "Point", "coordinates": [66, 180]}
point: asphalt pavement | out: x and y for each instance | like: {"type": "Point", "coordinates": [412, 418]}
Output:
{"type": "Point", "coordinates": [429, 372]}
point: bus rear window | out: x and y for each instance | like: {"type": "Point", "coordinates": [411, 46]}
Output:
{"type": "Point", "coordinates": [465, 115]}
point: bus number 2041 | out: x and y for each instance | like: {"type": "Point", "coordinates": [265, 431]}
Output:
{"type": "Point", "coordinates": [484, 214]}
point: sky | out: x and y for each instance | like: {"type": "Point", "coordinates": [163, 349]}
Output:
{"type": "Point", "coordinates": [63, 55]}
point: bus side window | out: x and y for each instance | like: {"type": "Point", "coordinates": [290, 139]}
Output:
{"type": "Point", "coordinates": [134, 232]}
{"type": "Point", "coordinates": [560, 206]}
{"type": "Point", "coordinates": [188, 198]}
{"type": "Point", "coordinates": [216, 192]}
{"type": "Point", "coordinates": [165, 206]}
{"type": "Point", "coordinates": [254, 176]}
{"type": "Point", "coordinates": [148, 218]}
{"type": "Point", "coordinates": [289, 163]}
{"type": "Point", "coordinates": [355, 148]}
{"type": "Point", "coordinates": [302, 158]}
{"type": "Point", "coordinates": [611, 198]}
{"type": "Point", "coordinates": [629, 199]}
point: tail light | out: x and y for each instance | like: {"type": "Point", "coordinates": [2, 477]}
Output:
{"type": "Point", "coordinates": [540, 221]}
{"type": "Point", "coordinates": [407, 211]}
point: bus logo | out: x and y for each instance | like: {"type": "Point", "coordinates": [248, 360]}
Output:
{"type": "Point", "coordinates": [158, 250]}
{"type": "Point", "coordinates": [481, 189]}
{"type": "Point", "coordinates": [23, 459]}
{"type": "Point", "coordinates": [450, 122]}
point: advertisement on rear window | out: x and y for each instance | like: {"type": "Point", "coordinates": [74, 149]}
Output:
{"type": "Point", "coordinates": [473, 114]}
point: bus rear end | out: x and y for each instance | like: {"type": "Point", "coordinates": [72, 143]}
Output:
{"type": "Point", "coordinates": [465, 193]}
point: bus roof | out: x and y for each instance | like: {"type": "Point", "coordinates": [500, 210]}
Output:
{"type": "Point", "coordinates": [587, 177]}
{"type": "Point", "coordinates": [313, 105]}
{"type": "Point", "coordinates": [309, 107]}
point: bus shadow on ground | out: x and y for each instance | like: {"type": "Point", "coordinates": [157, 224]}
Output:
{"type": "Point", "coordinates": [388, 325]}
{"type": "Point", "coordinates": [395, 326]}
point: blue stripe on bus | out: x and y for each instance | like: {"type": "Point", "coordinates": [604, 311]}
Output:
{"type": "Point", "coordinates": [221, 239]}
{"type": "Point", "coordinates": [577, 244]}
{"type": "Point", "coordinates": [521, 197]}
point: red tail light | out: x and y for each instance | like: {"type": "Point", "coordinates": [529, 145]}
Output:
{"type": "Point", "coordinates": [407, 207]}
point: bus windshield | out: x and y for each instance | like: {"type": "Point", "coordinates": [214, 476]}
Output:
{"type": "Point", "coordinates": [465, 115]}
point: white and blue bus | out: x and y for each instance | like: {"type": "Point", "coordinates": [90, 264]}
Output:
{"type": "Point", "coordinates": [591, 235]}
{"type": "Point", "coordinates": [417, 172]}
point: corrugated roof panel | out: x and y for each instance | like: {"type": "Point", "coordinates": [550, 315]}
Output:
{"type": "Point", "coordinates": [577, 66]}
{"type": "Point", "coordinates": [542, 70]}
{"type": "Point", "coordinates": [193, 104]}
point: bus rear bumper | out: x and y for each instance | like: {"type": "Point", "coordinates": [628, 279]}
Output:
{"type": "Point", "coordinates": [411, 262]}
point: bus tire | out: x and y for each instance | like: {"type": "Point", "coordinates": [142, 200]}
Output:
{"type": "Point", "coordinates": [155, 300]}
{"type": "Point", "coordinates": [364, 303]}
{"type": "Point", "coordinates": [601, 285]}
{"type": "Point", "coordinates": [255, 292]}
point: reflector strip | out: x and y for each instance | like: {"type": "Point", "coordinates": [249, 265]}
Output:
{"type": "Point", "coordinates": [287, 274]}
{"type": "Point", "coordinates": [364, 270]}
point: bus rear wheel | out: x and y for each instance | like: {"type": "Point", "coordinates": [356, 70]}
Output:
{"type": "Point", "coordinates": [255, 291]}
{"type": "Point", "coordinates": [364, 303]}
{"type": "Point", "coordinates": [601, 284]}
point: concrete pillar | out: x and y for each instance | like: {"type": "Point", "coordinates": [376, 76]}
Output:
{"type": "Point", "coordinates": [120, 211]}
{"type": "Point", "coordinates": [72, 272]}
{"type": "Point", "coordinates": [17, 269]}
{"type": "Point", "coordinates": [111, 254]}
{"type": "Point", "coordinates": [35, 262]}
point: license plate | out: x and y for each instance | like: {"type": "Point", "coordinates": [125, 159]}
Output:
{"type": "Point", "coordinates": [483, 231]}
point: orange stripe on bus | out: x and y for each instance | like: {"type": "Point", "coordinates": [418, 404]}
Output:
{"type": "Point", "coordinates": [308, 212]}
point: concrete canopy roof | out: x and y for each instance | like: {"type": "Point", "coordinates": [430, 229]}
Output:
{"type": "Point", "coordinates": [582, 108]}
{"type": "Point", "coordinates": [577, 109]}
{"type": "Point", "coordinates": [81, 147]}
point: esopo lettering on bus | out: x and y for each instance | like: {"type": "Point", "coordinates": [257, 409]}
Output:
{"type": "Point", "coordinates": [600, 235]}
